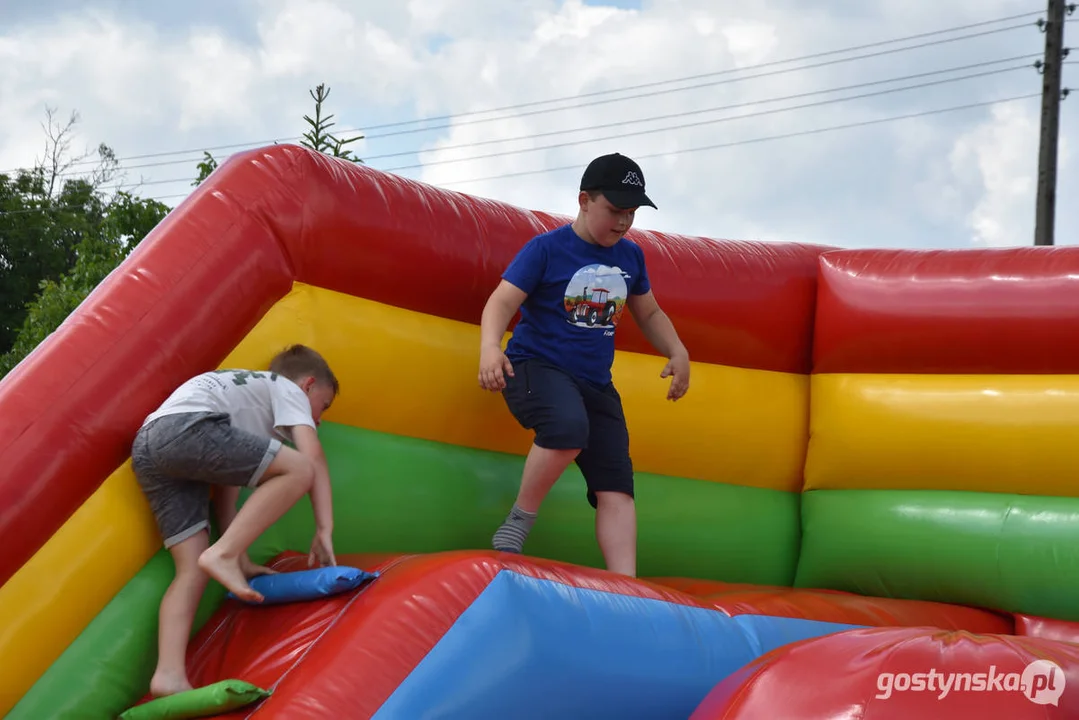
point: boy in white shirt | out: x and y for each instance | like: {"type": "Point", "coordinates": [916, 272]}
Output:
{"type": "Point", "coordinates": [223, 429]}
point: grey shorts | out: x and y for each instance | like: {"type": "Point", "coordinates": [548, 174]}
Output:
{"type": "Point", "coordinates": [177, 458]}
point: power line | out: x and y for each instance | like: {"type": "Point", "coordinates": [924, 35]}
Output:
{"type": "Point", "coordinates": [770, 63]}
{"type": "Point", "coordinates": [682, 126]}
{"type": "Point", "coordinates": [534, 136]}
{"type": "Point", "coordinates": [728, 71]}
{"type": "Point", "coordinates": [750, 103]}
{"type": "Point", "coordinates": [705, 148]}
{"type": "Point", "coordinates": [185, 161]}
{"type": "Point", "coordinates": [769, 138]}
{"type": "Point", "coordinates": [698, 86]}
{"type": "Point", "coordinates": [705, 122]}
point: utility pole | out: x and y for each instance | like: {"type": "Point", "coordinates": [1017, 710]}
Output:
{"type": "Point", "coordinates": [1051, 69]}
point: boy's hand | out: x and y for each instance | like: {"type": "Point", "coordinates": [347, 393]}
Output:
{"type": "Point", "coordinates": [322, 549]}
{"type": "Point", "coordinates": [494, 366]}
{"type": "Point", "coordinates": [677, 369]}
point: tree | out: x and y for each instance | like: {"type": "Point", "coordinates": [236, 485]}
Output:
{"type": "Point", "coordinates": [43, 216]}
{"type": "Point", "coordinates": [317, 138]}
{"type": "Point", "coordinates": [60, 235]}
{"type": "Point", "coordinates": [207, 166]}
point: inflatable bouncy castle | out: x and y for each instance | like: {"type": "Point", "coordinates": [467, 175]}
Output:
{"type": "Point", "coordinates": [866, 506]}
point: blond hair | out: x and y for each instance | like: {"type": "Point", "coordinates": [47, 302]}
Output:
{"type": "Point", "coordinates": [299, 361]}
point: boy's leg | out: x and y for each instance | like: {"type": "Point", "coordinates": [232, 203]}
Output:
{"type": "Point", "coordinates": [225, 499]}
{"type": "Point", "coordinates": [177, 614]}
{"type": "Point", "coordinates": [544, 399]}
{"type": "Point", "coordinates": [288, 477]}
{"type": "Point", "coordinates": [608, 471]}
{"type": "Point", "coordinates": [205, 447]}
{"type": "Point", "coordinates": [181, 511]}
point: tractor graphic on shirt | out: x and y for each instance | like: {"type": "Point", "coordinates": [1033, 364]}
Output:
{"type": "Point", "coordinates": [595, 297]}
{"type": "Point", "coordinates": [594, 306]}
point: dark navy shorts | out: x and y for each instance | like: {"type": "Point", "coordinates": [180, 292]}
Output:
{"type": "Point", "coordinates": [568, 414]}
{"type": "Point", "coordinates": [177, 458]}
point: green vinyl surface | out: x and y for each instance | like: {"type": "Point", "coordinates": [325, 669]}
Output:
{"type": "Point", "coordinates": [397, 494]}
{"type": "Point", "coordinates": [1016, 553]}
{"type": "Point", "coordinates": [108, 666]}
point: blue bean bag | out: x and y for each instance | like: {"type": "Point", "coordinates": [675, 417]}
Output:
{"type": "Point", "coordinates": [310, 584]}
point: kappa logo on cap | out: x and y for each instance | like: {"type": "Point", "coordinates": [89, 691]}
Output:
{"type": "Point", "coordinates": [632, 178]}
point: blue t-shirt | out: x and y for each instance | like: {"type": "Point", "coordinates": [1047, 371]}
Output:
{"type": "Point", "coordinates": [577, 293]}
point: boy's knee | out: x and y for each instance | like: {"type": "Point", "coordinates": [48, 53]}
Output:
{"type": "Point", "coordinates": [298, 467]}
{"type": "Point", "coordinates": [614, 499]}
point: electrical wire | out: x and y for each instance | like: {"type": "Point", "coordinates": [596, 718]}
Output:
{"type": "Point", "coordinates": [534, 136]}
{"type": "Point", "coordinates": [459, 117]}
{"type": "Point", "coordinates": [668, 153]}
{"type": "Point", "coordinates": [670, 128]}
{"type": "Point", "coordinates": [769, 138]}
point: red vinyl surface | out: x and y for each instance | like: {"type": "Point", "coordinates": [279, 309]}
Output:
{"type": "Point", "coordinates": [840, 607]}
{"type": "Point", "coordinates": [1048, 628]}
{"type": "Point", "coordinates": [845, 672]}
{"type": "Point", "coordinates": [207, 273]}
{"type": "Point", "coordinates": [309, 655]}
{"type": "Point", "coordinates": [1013, 310]}
{"type": "Point", "coordinates": [401, 616]}
{"type": "Point", "coordinates": [69, 412]}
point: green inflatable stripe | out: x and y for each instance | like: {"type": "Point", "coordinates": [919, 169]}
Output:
{"type": "Point", "coordinates": [1016, 553]}
{"type": "Point", "coordinates": [108, 666]}
{"type": "Point", "coordinates": [398, 494]}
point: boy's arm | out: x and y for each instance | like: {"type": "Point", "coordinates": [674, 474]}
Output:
{"type": "Point", "coordinates": [659, 331]}
{"type": "Point", "coordinates": [306, 440]}
{"type": "Point", "coordinates": [497, 313]}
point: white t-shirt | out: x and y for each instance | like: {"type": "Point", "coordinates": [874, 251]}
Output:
{"type": "Point", "coordinates": [260, 402]}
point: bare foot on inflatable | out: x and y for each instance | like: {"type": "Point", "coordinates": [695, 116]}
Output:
{"type": "Point", "coordinates": [228, 572]}
{"type": "Point", "coordinates": [163, 684]}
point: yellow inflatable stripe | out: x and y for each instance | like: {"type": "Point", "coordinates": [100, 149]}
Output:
{"type": "Point", "coordinates": [987, 433]}
{"type": "Point", "coordinates": [56, 594]}
{"type": "Point", "coordinates": [412, 374]}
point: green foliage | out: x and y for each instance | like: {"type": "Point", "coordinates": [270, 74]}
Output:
{"type": "Point", "coordinates": [207, 166]}
{"type": "Point", "coordinates": [101, 236]}
{"type": "Point", "coordinates": [318, 137]}
{"type": "Point", "coordinates": [61, 236]}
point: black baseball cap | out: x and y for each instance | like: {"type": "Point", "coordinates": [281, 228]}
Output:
{"type": "Point", "coordinates": [618, 178]}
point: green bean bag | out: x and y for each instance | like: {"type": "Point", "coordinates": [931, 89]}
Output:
{"type": "Point", "coordinates": [216, 699]}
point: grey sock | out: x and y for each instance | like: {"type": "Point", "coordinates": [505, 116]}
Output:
{"type": "Point", "coordinates": [510, 537]}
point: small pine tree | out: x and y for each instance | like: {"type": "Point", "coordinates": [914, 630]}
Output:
{"type": "Point", "coordinates": [318, 137]}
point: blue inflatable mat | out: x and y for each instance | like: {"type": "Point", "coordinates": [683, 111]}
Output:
{"type": "Point", "coordinates": [311, 584]}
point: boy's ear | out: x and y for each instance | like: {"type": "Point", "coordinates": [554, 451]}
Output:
{"type": "Point", "coordinates": [307, 383]}
{"type": "Point", "coordinates": [582, 199]}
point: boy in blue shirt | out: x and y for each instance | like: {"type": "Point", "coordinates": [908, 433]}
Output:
{"type": "Point", "coordinates": [572, 286]}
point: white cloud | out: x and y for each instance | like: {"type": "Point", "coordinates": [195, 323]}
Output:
{"type": "Point", "coordinates": [1000, 159]}
{"type": "Point", "coordinates": [147, 85]}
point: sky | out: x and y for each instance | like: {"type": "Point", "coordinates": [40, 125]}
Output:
{"type": "Point", "coordinates": [751, 121]}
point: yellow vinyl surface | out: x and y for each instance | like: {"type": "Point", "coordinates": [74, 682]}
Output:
{"type": "Point", "coordinates": [411, 374]}
{"type": "Point", "coordinates": [988, 433]}
{"type": "Point", "coordinates": [56, 594]}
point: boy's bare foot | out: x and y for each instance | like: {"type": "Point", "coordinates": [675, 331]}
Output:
{"type": "Point", "coordinates": [228, 572]}
{"type": "Point", "coordinates": [163, 684]}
